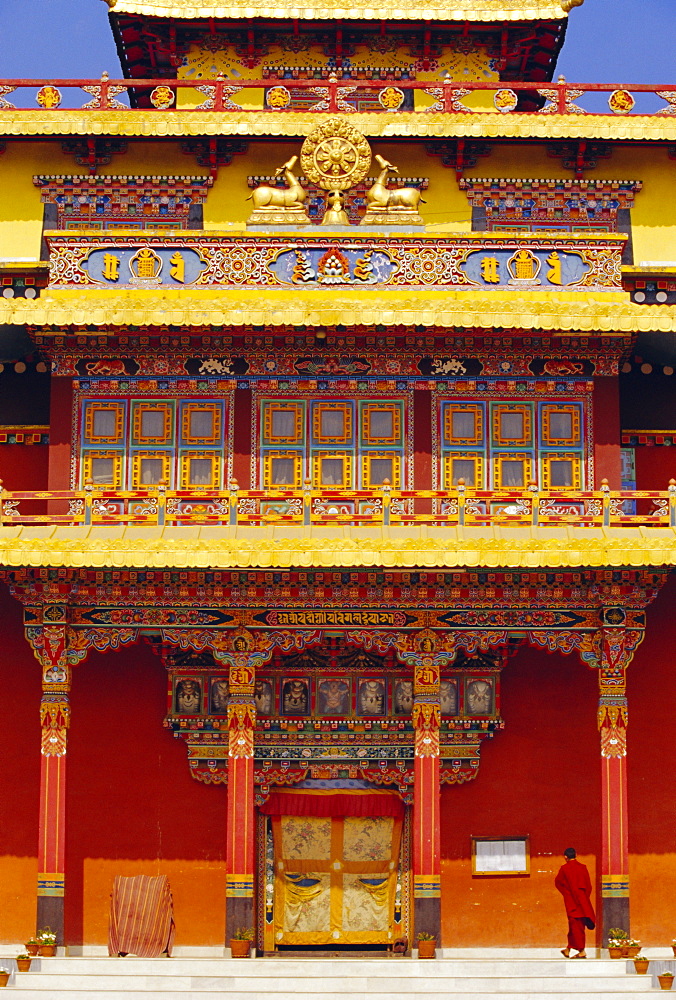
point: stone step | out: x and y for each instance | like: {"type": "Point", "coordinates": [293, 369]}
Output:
{"type": "Point", "coordinates": [94, 993]}
{"type": "Point", "coordinates": [401, 967]}
{"type": "Point", "coordinates": [276, 978]}
{"type": "Point", "coordinates": [319, 984]}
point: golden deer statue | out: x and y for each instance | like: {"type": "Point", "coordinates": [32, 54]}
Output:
{"type": "Point", "coordinates": [395, 207]}
{"type": "Point", "coordinates": [273, 205]}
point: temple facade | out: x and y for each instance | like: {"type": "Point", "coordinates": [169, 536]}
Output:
{"type": "Point", "coordinates": [336, 526]}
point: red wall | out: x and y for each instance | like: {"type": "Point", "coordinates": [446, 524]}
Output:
{"type": "Point", "coordinates": [132, 805]}
{"type": "Point", "coordinates": [24, 467]}
{"type": "Point", "coordinates": [19, 775]}
{"type": "Point", "coordinates": [607, 436]}
{"type": "Point", "coordinates": [655, 466]}
{"type": "Point", "coordinates": [539, 776]}
{"type": "Point", "coordinates": [651, 763]}
{"type": "Point", "coordinates": [60, 433]}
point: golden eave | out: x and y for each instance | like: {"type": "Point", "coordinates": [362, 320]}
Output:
{"type": "Point", "coordinates": [606, 312]}
{"type": "Point", "coordinates": [457, 10]}
{"type": "Point", "coordinates": [285, 547]}
{"type": "Point", "coordinates": [259, 124]}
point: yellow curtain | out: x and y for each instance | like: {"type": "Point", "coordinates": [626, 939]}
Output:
{"type": "Point", "coordinates": [335, 879]}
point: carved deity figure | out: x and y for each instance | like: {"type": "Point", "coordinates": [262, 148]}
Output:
{"type": "Point", "coordinates": [479, 697]}
{"type": "Point", "coordinates": [295, 697]}
{"type": "Point", "coordinates": [263, 697]}
{"type": "Point", "coordinates": [188, 697]}
{"type": "Point", "coordinates": [403, 698]}
{"type": "Point", "coordinates": [371, 698]}
{"type": "Point", "coordinates": [220, 692]}
{"type": "Point", "coordinates": [333, 697]}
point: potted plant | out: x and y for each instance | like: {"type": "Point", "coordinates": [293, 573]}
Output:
{"type": "Point", "coordinates": [47, 942]}
{"type": "Point", "coordinates": [673, 946]}
{"type": "Point", "coordinates": [427, 945]}
{"type": "Point", "coordinates": [617, 941]}
{"type": "Point", "coordinates": [641, 964]}
{"type": "Point", "coordinates": [23, 962]}
{"type": "Point", "coordinates": [33, 946]}
{"type": "Point", "coordinates": [240, 942]}
{"type": "Point", "coordinates": [4, 976]}
{"type": "Point", "coordinates": [666, 980]}
{"type": "Point", "coordinates": [632, 948]}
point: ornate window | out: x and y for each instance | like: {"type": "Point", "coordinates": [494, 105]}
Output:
{"type": "Point", "coordinates": [136, 443]}
{"type": "Point", "coordinates": [114, 202]}
{"type": "Point", "coordinates": [335, 443]}
{"type": "Point", "coordinates": [508, 445]}
{"type": "Point", "coordinates": [507, 204]}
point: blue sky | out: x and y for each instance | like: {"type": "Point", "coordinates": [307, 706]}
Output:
{"type": "Point", "coordinates": [609, 41]}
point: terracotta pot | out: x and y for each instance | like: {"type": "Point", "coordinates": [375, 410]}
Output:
{"type": "Point", "coordinates": [615, 952]}
{"type": "Point", "coordinates": [427, 949]}
{"type": "Point", "coordinates": [23, 964]}
{"type": "Point", "coordinates": [240, 949]}
{"type": "Point", "coordinates": [666, 982]}
{"type": "Point", "coordinates": [47, 949]}
{"type": "Point", "coordinates": [641, 965]}
{"type": "Point", "coordinates": [632, 950]}
{"type": "Point", "coordinates": [4, 978]}
{"type": "Point", "coordinates": [673, 948]}
{"type": "Point", "coordinates": [33, 949]}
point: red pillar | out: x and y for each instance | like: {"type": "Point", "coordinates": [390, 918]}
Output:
{"type": "Point", "coordinates": [49, 645]}
{"type": "Point", "coordinates": [242, 653]}
{"type": "Point", "coordinates": [617, 648]}
{"type": "Point", "coordinates": [426, 799]}
{"type": "Point", "coordinates": [240, 840]}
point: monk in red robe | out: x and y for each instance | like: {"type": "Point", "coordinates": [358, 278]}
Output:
{"type": "Point", "coordinates": [574, 884]}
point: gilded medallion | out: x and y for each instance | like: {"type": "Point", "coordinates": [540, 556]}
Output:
{"type": "Point", "coordinates": [335, 156]}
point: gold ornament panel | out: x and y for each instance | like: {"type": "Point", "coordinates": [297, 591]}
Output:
{"type": "Point", "coordinates": [335, 155]}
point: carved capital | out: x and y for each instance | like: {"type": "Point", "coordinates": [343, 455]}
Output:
{"type": "Point", "coordinates": [49, 643]}
{"type": "Point", "coordinates": [241, 724]}
{"type": "Point", "coordinates": [612, 721]}
{"type": "Point", "coordinates": [54, 722]}
{"type": "Point", "coordinates": [242, 651]}
{"type": "Point", "coordinates": [426, 719]}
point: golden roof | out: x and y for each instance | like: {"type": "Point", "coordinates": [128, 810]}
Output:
{"type": "Point", "coordinates": [400, 10]}
{"type": "Point", "coordinates": [384, 125]}
{"type": "Point", "coordinates": [286, 546]}
{"type": "Point", "coordinates": [602, 312]}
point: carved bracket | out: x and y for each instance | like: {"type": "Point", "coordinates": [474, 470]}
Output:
{"type": "Point", "coordinates": [214, 152]}
{"type": "Point", "coordinates": [458, 154]}
{"type": "Point", "coordinates": [93, 152]}
{"type": "Point", "coordinates": [579, 156]}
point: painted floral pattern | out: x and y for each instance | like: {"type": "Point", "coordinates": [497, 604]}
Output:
{"type": "Point", "coordinates": [368, 838]}
{"type": "Point", "coordinates": [306, 837]}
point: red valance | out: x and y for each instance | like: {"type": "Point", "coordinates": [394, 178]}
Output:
{"type": "Point", "coordinates": [347, 803]}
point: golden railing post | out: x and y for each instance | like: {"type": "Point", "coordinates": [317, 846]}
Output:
{"type": "Point", "coordinates": [605, 489]}
{"type": "Point", "coordinates": [461, 501]}
{"type": "Point", "coordinates": [307, 501]}
{"type": "Point", "coordinates": [386, 488]}
{"type": "Point", "coordinates": [535, 502]}
{"type": "Point", "coordinates": [88, 491]}
{"type": "Point", "coordinates": [233, 502]}
{"type": "Point", "coordinates": [161, 502]}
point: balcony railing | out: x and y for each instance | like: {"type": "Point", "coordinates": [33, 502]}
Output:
{"type": "Point", "coordinates": [309, 506]}
{"type": "Point", "coordinates": [322, 90]}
